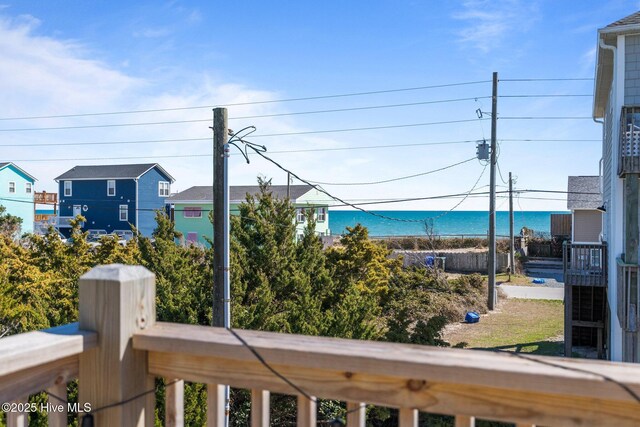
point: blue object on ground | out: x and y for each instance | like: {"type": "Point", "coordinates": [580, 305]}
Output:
{"type": "Point", "coordinates": [429, 261]}
{"type": "Point", "coordinates": [472, 317]}
{"type": "Point", "coordinates": [538, 281]}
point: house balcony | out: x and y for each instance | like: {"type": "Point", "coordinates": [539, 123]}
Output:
{"type": "Point", "coordinates": [629, 149]}
{"type": "Point", "coordinates": [117, 350]}
{"type": "Point", "coordinates": [627, 290]}
{"type": "Point", "coordinates": [44, 198]}
{"type": "Point", "coordinates": [585, 264]}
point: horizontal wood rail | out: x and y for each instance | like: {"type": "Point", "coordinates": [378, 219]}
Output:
{"type": "Point", "coordinates": [117, 363]}
{"type": "Point", "coordinates": [34, 361]}
{"type": "Point", "coordinates": [495, 386]}
{"type": "Point", "coordinates": [585, 264]}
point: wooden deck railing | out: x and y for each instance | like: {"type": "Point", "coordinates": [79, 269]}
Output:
{"type": "Point", "coordinates": [585, 264]}
{"type": "Point", "coordinates": [628, 284]}
{"type": "Point", "coordinates": [127, 349]}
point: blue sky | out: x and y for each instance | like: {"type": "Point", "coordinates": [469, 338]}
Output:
{"type": "Point", "coordinates": [70, 57]}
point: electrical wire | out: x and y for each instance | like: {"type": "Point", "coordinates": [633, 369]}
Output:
{"type": "Point", "coordinates": [255, 136]}
{"type": "Point", "coordinates": [548, 79]}
{"type": "Point", "coordinates": [395, 179]}
{"type": "Point", "coordinates": [547, 118]}
{"type": "Point", "coordinates": [546, 96]}
{"type": "Point", "coordinates": [308, 98]}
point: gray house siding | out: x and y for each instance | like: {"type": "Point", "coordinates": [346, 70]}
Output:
{"type": "Point", "coordinates": [632, 70]}
{"type": "Point", "coordinates": [587, 226]}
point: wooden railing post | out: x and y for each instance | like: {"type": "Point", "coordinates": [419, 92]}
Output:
{"type": "Point", "coordinates": [57, 395]}
{"type": "Point", "coordinates": [215, 405]}
{"type": "Point", "coordinates": [117, 301]}
{"type": "Point", "coordinates": [408, 417]}
{"type": "Point", "coordinates": [356, 414]}
{"type": "Point", "coordinates": [260, 408]}
{"type": "Point", "coordinates": [174, 404]}
{"type": "Point", "coordinates": [307, 412]}
{"type": "Point", "coordinates": [18, 418]}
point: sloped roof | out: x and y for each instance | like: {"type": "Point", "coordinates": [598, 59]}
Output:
{"type": "Point", "coordinates": [634, 18]}
{"type": "Point", "coordinates": [5, 164]}
{"type": "Point", "coordinates": [584, 192]}
{"type": "Point", "coordinates": [604, 59]}
{"type": "Point", "coordinates": [110, 171]}
{"type": "Point", "coordinates": [237, 192]}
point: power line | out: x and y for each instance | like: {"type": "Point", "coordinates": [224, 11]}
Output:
{"type": "Point", "coordinates": [547, 118]}
{"type": "Point", "coordinates": [308, 98]}
{"type": "Point", "coordinates": [548, 79]}
{"type": "Point", "coordinates": [160, 141]}
{"type": "Point", "coordinates": [255, 136]}
{"type": "Point", "coordinates": [322, 190]}
{"type": "Point", "coordinates": [395, 179]}
{"type": "Point", "coordinates": [547, 95]}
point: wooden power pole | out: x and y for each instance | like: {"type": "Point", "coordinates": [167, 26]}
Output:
{"type": "Point", "coordinates": [512, 260]}
{"type": "Point", "coordinates": [219, 239]}
{"type": "Point", "coordinates": [491, 264]}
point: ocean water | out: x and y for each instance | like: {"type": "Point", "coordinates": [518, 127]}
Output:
{"type": "Point", "coordinates": [454, 223]}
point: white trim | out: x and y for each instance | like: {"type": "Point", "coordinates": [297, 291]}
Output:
{"type": "Point", "coordinates": [28, 187]}
{"type": "Point", "coordinates": [196, 209]}
{"type": "Point", "coordinates": [125, 210]}
{"type": "Point", "coordinates": [64, 188]}
{"type": "Point", "coordinates": [137, 224]}
{"type": "Point", "coordinates": [19, 168]}
{"type": "Point", "coordinates": [14, 187]}
{"type": "Point", "coordinates": [114, 188]}
{"type": "Point", "coordinates": [160, 188]}
{"type": "Point", "coordinates": [172, 179]}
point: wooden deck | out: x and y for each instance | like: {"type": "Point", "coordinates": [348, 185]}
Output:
{"type": "Point", "coordinates": [117, 350]}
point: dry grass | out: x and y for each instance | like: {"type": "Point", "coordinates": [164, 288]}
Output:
{"type": "Point", "coordinates": [528, 326]}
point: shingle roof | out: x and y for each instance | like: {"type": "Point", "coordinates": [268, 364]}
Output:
{"type": "Point", "coordinates": [634, 18]}
{"type": "Point", "coordinates": [237, 192]}
{"type": "Point", "coordinates": [109, 171]}
{"type": "Point", "coordinates": [578, 186]}
{"type": "Point", "coordinates": [3, 164]}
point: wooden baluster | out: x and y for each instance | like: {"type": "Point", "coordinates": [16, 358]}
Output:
{"type": "Point", "coordinates": [215, 405]}
{"type": "Point", "coordinates": [306, 412]}
{"type": "Point", "coordinates": [57, 396]}
{"type": "Point", "coordinates": [525, 425]}
{"type": "Point", "coordinates": [18, 418]}
{"type": "Point", "coordinates": [465, 421]}
{"type": "Point", "coordinates": [408, 417]}
{"type": "Point", "coordinates": [356, 414]}
{"type": "Point", "coordinates": [260, 406]}
{"type": "Point", "coordinates": [174, 404]}
{"type": "Point", "coordinates": [117, 301]}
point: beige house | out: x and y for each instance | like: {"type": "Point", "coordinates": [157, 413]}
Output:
{"type": "Point", "coordinates": [584, 200]}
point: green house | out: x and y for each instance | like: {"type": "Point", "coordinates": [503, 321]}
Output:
{"type": "Point", "coordinates": [190, 208]}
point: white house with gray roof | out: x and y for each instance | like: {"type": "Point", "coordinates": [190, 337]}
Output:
{"type": "Point", "coordinates": [585, 201]}
{"type": "Point", "coordinates": [190, 208]}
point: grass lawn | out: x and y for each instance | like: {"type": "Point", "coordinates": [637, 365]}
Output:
{"type": "Point", "coordinates": [527, 326]}
{"type": "Point", "coordinates": [516, 279]}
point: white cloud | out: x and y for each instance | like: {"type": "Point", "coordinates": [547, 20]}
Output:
{"type": "Point", "coordinates": [487, 24]}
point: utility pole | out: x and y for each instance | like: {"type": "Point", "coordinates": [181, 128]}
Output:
{"type": "Point", "coordinates": [512, 260]}
{"type": "Point", "coordinates": [221, 286]}
{"type": "Point", "coordinates": [491, 265]}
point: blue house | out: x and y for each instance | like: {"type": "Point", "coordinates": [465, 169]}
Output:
{"type": "Point", "coordinates": [113, 197]}
{"type": "Point", "coordinates": [16, 194]}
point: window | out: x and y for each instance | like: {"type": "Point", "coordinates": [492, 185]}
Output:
{"type": "Point", "coordinates": [67, 188]}
{"type": "Point", "coordinates": [192, 212]}
{"type": "Point", "coordinates": [124, 213]}
{"type": "Point", "coordinates": [28, 188]}
{"type": "Point", "coordinates": [163, 189]}
{"type": "Point", "coordinates": [12, 187]}
{"type": "Point", "coordinates": [322, 214]}
{"type": "Point", "coordinates": [111, 187]}
{"type": "Point", "coordinates": [300, 215]}
{"type": "Point", "coordinates": [192, 237]}
{"type": "Point", "coordinates": [595, 258]}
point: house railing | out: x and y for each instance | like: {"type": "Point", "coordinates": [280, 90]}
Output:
{"type": "Point", "coordinates": [627, 291]}
{"type": "Point", "coordinates": [117, 362]}
{"type": "Point", "coordinates": [585, 264]}
{"type": "Point", "coordinates": [45, 198]}
{"type": "Point", "coordinates": [629, 149]}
